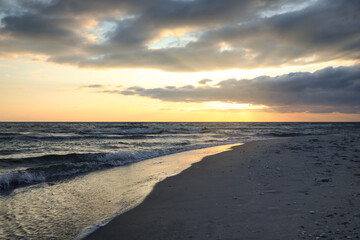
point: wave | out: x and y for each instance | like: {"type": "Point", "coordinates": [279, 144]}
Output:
{"type": "Point", "coordinates": [152, 130]}
{"type": "Point", "coordinates": [117, 133]}
{"type": "Point", "coordinates": [58, 167]}
{"type": "Point", "coordinates": [64, 166]}
{"type": "Point", "coordinates": [139, 131]}
{"type": "Point", "coordinates": [88, 145]}
{"type": "Point", "coordinates": [74, 137]}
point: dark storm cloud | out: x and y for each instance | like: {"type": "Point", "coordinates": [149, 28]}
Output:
{"type": "Point", "coordinates": [324, 30]}
{"type": "Point", "coordinates": [35, 26]}
{"type": "Point", "coordinates": [326, 90]}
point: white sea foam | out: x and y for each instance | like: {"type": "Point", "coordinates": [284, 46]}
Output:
{"type": "Point", "coordinates": [8, 180]}
{"type": "Point", "coordinates": [83, 163]}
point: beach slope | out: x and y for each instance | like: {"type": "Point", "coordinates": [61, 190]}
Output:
{"type": "Point", "coordinates": [292, 188]}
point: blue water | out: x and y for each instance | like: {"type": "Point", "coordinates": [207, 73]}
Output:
{"type": "Point", "coordinates": [59, 179]}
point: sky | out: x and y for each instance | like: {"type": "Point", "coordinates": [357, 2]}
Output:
{"type": "Point", "coordinates": [180, 60]}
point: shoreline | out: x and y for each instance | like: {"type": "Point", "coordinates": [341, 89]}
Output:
{"type": "Point", "coordinates": [10, 181]}
{"type": "Point", "coordinates": [160, 168]}
{"type": "Point", "coordinates": [293, 188]}
{"type": "Point", "coordinates": [73, 208]}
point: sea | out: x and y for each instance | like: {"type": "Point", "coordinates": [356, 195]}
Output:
{"type": "Point", "coordinates": [64, 180]}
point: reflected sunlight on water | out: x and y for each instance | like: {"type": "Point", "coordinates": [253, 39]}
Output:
{"type": "Point", "coordinates": [64, 209]}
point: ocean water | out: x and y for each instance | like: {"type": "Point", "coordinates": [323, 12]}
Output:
{"type": "Point", "coordinates": [62, 180]}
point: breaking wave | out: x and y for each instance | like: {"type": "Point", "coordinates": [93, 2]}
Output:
{"type": "Point", "coordinates": [57, 167]}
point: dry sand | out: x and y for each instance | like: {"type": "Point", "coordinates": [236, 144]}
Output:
{"type": "Point", "coordinates": [293, 188]}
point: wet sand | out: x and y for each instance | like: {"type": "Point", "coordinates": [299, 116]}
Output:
{"type": "Point", "coordinates": [291, 188]}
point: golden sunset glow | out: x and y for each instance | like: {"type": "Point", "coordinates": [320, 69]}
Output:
{"type": "Point", "coordinates": [50, 92]}
{"type": "Point", "coordinates": [125, 64]}
{"type": "Point", "coordinates": [234, 106]}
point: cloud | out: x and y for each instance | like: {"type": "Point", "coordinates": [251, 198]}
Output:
{"type": "Point", "coordinates": [326, 90]}
{"type": "Point", "coordinates": [92, 86]}
{"type": "Point", "coordinates": [100, 88]}
{"type": "Point", "coordinates": [204, 81]}
{"type": "Point", "coordinates": [228, 33]}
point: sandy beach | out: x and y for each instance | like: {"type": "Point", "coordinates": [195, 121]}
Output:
{"type": "Point", "coordinates": [292, 188]}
